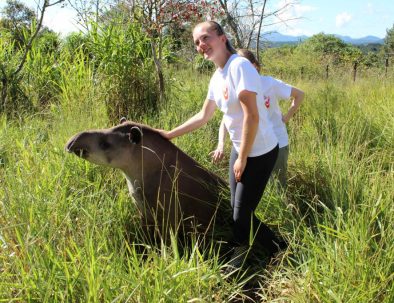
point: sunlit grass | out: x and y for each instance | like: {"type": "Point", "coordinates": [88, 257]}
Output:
{"type": "Point", "coordinates": [66, 225]}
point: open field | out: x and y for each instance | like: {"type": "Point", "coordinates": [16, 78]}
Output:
{"type": "Point", "coordinates": [65, 223]}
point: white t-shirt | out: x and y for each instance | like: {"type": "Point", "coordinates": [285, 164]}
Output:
{"type": "Point", "coordinates": [275, 90]}
{"type": "Point", "coordinates": [237, 75]}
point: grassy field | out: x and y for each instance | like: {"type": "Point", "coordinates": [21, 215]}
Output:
{"type": "Point", "coordinates": [65, 223]}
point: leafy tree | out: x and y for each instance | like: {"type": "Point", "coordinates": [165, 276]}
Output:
{"type": "Point", "coordinates": [389, 41]}
{"type": "Point", "coordinates": [327, 46]}
{"type": "Point", "coordinates": [370, 47]}
{"type": "Point", "coordinates": [158, 17]}
{"type": "Point", "coordinates": [312, 57]}
{"type": "Point", "coordinates": [351, 54]}
{"type": "Point", "coordinates": [75, 41]}
{"type": "Point", "coordinates": [48, 40]}
{"type": "Point", "coordinates": [330, 49]}
{"type": "Point", "coordinates": [17, 18]}
{"type": "Point", "coordinates": [371, 59]}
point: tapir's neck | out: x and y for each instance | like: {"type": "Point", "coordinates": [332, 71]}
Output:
{"type": "Point", "coordinates": [133, 185]}
{"type": "Point", "coordinates": [135, 190]}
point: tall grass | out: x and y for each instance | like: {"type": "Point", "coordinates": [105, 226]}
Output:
{"type": "Point", "coordinates": [340, 195]}
{"type": "Point", "coordinates": [69, 231]}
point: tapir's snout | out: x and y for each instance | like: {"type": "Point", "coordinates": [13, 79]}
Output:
{"type": "Point", "coordinates": [73, 147]}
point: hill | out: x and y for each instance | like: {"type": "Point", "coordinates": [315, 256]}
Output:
{"type": "Point", "coordinates": [277, 39]}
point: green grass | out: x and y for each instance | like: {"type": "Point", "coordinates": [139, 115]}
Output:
{"type": "Point", "coordinates": [66, 225]}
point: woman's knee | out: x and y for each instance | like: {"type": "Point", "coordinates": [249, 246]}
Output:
{"type": "Point", "coordinates": [242, 215]}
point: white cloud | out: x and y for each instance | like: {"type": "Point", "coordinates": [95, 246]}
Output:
{"type": "Point", "coordinates": [300, 10]}
{"type": "Point", "coordinates": [342, 19]}
{"type": "Point", "coordinates": [291, 16]}
{"type": "Point", "coordinates": [293, 9]}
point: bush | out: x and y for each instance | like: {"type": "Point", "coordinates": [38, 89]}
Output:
{"type": "Point", "coordinates": [125, 69]}
{"type": "Point", "coordinates": [42, 71]}
{"type": "Point", "coordinates": [12, 98]}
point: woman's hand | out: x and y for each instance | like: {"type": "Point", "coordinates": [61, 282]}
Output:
{"type": "Point", "coordinates": [239, 167]}
{"type": "Point", "coordinates": [298, 96]}
{"type": "Point", "coordinates": [218, 154]}
{"type": "Point", "coordinates": [164, 133]}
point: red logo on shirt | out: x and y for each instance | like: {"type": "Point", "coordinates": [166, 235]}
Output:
{"type": "Point", "coordinates": [267, 101]}
{"type": "Point", "coordinates": [225, 92]}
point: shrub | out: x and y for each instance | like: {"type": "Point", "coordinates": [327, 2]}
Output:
{"type": "Point", "coordinates": [125, 69]}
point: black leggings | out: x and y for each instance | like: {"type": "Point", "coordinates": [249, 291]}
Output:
{"type": "Point", "coordinates": [246, 195]}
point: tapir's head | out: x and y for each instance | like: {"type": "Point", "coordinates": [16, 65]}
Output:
{"type": "Point", "coordinates": [116, 147]}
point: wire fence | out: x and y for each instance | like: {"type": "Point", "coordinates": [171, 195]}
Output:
{"type": "Point", "coordinates": [348, 72]}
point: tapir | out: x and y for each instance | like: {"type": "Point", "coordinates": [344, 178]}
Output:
{"type": "Point", "coordinates": [171, 190]}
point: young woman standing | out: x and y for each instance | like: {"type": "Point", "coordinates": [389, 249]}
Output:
{"type": "Point", "coordinates": [274, 90]}
{"type": "Point", "coordinates": [235, 88]}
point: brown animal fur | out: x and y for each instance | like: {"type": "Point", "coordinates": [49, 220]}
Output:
{"type": "Point", "coordinates": [171, 190]}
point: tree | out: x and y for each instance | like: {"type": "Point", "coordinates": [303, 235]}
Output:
{"type": "Point", "coordinates": [160, 16]}
{"type": "Point", "coordinates": [89, 12]}
{"type": "Point", "coordinates": [328, 47]}
{"type": "Point", "coordinates": [17, 18]}
{"type": "Point", "coordinates": [9, 74]}
{"type": "Point", "coordinates": [158, 19]}
{"type": "Point", "coordinates": [245, 19]}
{"type": "Point", "coordinates": [389, 41]}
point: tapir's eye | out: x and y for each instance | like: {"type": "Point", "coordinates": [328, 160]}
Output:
{"type": "Point", "coordinates": [104, 145]}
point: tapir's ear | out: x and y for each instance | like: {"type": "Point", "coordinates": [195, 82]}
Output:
{"type": "Point", "coordinates": [123, 120]}
{"type": "Point", "coordinates": [135, 135]}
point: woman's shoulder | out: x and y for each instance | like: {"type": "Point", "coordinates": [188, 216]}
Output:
{"type": "Point", "coordinates": [238, 60]}
{"type": "Point", "coordinates": [271, 80]}
{"type": "Point", "coordinates": [241, 63]}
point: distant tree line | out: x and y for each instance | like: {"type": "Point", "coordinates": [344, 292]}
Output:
{"type": "Point", "coordinates": [129, 46]}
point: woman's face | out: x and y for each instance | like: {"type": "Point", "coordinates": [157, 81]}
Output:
{"type": "Point", "coordinates": [208, 43]}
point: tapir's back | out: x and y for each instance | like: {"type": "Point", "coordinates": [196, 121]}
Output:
{"type": "Point", "coordinates": [188, 189]}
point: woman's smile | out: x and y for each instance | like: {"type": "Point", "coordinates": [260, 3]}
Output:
{"type": "Point", "coordinates": [208, 43]}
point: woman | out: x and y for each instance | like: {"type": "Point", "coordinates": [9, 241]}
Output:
{"type": "Point", "coordinates": [235, 88]}
{"type": "Point", "coordinates": [274, 90]}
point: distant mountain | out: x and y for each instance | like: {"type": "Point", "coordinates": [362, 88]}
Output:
{"type": "Point", "coordinates": [363, 40]}
{"type": "Point", "coordinates": [278, 38]}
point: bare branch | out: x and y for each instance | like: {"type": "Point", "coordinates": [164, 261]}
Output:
{"type": "Point", "coordinates": [54, 3]}
{"type": "Point", "coordinates": [30, 42]}
{"type": "Point", "coordinates": [259, 31]}
{"type": "Point", "coordinates": [245, 18]}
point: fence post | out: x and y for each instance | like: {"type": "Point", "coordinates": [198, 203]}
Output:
{"type": "Point", "coordinates": [327, 71]}
{"type": "Point", "coordinates": [387, 65]}
{"type": "Point", "coordinates": [302, 72]}
{"type": "Point", "coordinates": [354, 71]}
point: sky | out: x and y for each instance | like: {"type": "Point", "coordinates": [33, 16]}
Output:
{"type": "Point", "coordinates": [354, 18]}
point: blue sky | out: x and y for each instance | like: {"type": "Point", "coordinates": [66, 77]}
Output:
{"type": "Point", "coordinates": [355, 18]}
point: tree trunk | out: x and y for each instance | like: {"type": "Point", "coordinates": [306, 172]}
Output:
{"type": "Point", "coordinates": [259, 31]}
{"type": "Point", "coordinates": [233, 24]}
{"type": "Point", "coordinates": [159, 71]}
